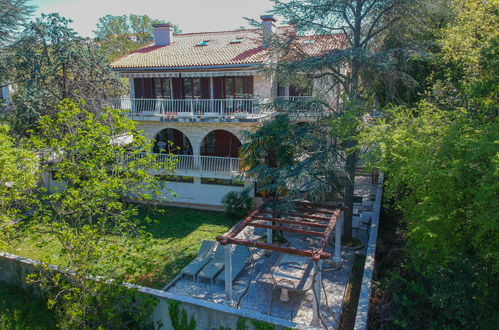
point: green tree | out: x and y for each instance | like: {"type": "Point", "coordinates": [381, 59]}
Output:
{"type": "Point", "coordinates": [120, 35]}
{"type": "Point", "coordinates": [13, 13]}
{"type": "Point", "coordinates": [49, 63]}
{"type": "Point", "coordinates": [18, 168]}
{"type": "Point", "coordinates": [87, 212]}
{"type": "Point", "coordinates": [343, 66]}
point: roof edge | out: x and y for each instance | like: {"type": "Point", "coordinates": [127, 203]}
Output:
{"type": "Point", "coordinates": [187, 67]}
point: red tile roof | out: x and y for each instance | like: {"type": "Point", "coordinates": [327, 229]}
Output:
{"type": "Point", "coordinates": [219, 50]}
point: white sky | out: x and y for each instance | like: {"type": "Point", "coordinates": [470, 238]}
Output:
{"type": "Point", "coordinates": [190, 15]}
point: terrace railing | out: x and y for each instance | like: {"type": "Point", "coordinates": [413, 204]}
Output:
{"type": "Point", "coordinates": [191, 163]}
{"type": "Point", "coordinates": [178, 108]}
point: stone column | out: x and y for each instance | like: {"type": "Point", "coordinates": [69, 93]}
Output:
{"type": "Point", "coordinates": [228, 273]}
{"type": "Point", "coordinates": [337, 242]}
{"type": "Point", "coordinates": [317, 293]}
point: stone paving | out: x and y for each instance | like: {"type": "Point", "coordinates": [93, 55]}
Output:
{"type": "Point", "coordinates": [253, 291]}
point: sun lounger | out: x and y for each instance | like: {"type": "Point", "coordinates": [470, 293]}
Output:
{"type": "Point", "coordinates": [203, 257]}
{"type": "Point", "coordinates": [239, 257]}
{"type": "Point", "coordinates": [215, 266]}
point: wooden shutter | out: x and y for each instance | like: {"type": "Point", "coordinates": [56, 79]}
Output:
{"type": "Point", "coordinates": [218, 88]}
{"type": "Point", "coordinates": [138, 85]}
{"type": "Point", "coordinates": [148, 88]}
{"type": "Point", "coordinates": [205, 88]}
{"type": "Point", "coordinates": [248, 85]}
{"type": "Point", "coordinates": [177, 88]}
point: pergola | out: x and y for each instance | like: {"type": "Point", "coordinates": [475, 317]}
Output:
{"type": "Point", "coordinates": [308, 219]}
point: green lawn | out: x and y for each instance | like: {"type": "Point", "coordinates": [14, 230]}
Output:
{"type": "Point", "coordinates": [176, 240]}
{"type": "Point", "coordinates": [20, 310]}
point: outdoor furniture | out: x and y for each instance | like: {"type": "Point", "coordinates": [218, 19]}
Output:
{"type": "Point", "coordinates": [203, 257]}
{"type": "Point", "coordinates": [291, 272]}
{"type": "Point", "coordinates": [214, 266]}
{"type": "Point", "coordinates": [239, 257]}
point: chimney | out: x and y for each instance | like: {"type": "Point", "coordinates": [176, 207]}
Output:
{"type": "Point", "coordinates": [268, 28]}
{"type": "Point", "coordinates": [163, 34]}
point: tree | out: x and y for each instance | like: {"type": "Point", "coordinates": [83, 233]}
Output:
{"type": "Point", "coordinates": [49, 63]}
{"type": "Point", "coordinates": [341, 69]}
{"type": "Point", "coordinates": [120, 35]}
{"type": "Point", "coordinates": [18, 168]}
{"type": "Point", "coordinates": [13, 13]}
{"type": "Point", "coordinates": [88, 213]}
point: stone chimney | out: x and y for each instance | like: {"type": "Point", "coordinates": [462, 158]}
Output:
{"type": "Point", "coordinates": [163, 34]}
{"type": "Point", "coordinates": [268, 28]}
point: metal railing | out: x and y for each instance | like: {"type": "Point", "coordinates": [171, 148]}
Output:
{"type": "Point", "coordinates": [197, 163]}
{"type": "Point", "coordinates": [178, 108]}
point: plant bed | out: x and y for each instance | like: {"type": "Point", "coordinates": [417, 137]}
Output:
{"type": "Point", "coordinates": [351, 244]}
{"type": "Point", "coordinates": [351, 298]}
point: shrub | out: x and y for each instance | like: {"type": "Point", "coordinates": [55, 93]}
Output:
{"type": "Point", "coordinates": [237, 204]}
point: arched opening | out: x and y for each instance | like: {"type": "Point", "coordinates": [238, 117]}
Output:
{"type": "Point", "coordinates": [173, 141]}
{"type": "Point", "coordinates": [220, 143]}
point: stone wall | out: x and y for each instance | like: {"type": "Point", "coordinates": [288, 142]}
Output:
{"type": "Point", "coordinates": [207, 315]}
{"type": "Point", "coordinates": [196, 131]}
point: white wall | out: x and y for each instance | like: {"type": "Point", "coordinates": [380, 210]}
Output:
{"type": "Point", "coordinates": [197, 193]}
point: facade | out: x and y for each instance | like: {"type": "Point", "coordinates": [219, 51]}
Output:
{"type": "Point", "coordinates": [196, 94]}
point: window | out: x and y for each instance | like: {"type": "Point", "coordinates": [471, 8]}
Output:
{"type": "Point", "coordinates": [235, 88]}
{"type": "Point", "coordinates": [222, 182]}
{"type": "Point", "coordinates": [176, 178]}
{"type": "Point", "coordinates": [161, 88]}
{"type": "Point", "coordinates": [237, 40]}
{"type": "Point", "coordinates": [203, 43]}
{"type": "Point", "coordinates": [192, 88]}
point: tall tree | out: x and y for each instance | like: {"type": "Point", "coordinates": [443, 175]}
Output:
{"type": "Point", "coordinates": [119, 35]}
{"type": "Point", "coordinates": [344, 69]}
{"type": "Point", "coordinates": [13, 13]}
{"type": "Point", "coordinates": [49, 63]}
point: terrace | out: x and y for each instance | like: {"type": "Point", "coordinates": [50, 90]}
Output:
{"type": "Point", "coordinates": [244, 109]}
{"type": "Point", "coordinates": [258, 287]}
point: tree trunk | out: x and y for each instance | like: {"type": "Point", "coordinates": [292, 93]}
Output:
{"type": "Point", "coordinates": [351, 161]}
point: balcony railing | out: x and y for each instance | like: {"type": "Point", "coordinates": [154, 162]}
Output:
{"type": "Point", "coordinates": [191, 163]}
{"type": "Point", "coordinates": [188, 108]}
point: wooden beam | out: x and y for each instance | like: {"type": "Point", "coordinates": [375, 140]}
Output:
{"type": "Point", "coordinates": [274, 247]}
{"type": "Point", "coordinates": [241, 224]}
{"type": "Point", "coordinates": [294, 222]}
{"type": "Point", "coordinates": [329, 230]}
{"type": "Point", "coordinates": [291, 230]}
{"type": "Point", "coordinates": [295, 214]}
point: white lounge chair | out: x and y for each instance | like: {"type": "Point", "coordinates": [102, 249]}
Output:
{"type": "Point", "coordinates": [239, 257]}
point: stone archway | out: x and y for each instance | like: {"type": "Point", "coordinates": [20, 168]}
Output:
{"type": "Point", "coordinates": [220, 143]}
{"type": "Point", "coordinates": [171, 140]}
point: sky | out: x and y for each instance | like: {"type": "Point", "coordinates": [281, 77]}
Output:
{"type": "Point", "coordinates": [190, 15]}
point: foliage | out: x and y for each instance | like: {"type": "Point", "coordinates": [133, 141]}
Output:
{"type": "Point", "coordinates": [94, 178]}
{"type": "Point", "coordinates": [180, 318]}
{"type": "Point", "coordinates": [357, 25]}
{"type": "Point", "coordinates": [13, 13]}
{"type": "Point", "coordinates": [237, 203]}
{"type": "Point", "coordinates": [120, 35]}
{"type": "Point", "coordinates": [49, 63]}
{"type": "Point", "coordinates": [18, 167]}
{"type": "Point", "coordinates": [20, 310]}
{"type": "Point", "coordinates": [440, 157]}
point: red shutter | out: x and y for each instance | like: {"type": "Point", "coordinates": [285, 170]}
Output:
{"type": "Point", "coordinates": [218, 88]}
{"type": "Point", "coordinates": [205, 88]}
{"type": "Point", "coordinates": [177, 88]}
{"type": "Point", "coordinates": [248, 85]}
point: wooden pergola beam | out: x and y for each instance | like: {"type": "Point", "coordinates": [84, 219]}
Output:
{"type": "Point", "coordinates": [297, 214]}
{"type": "Point", "coordinates": [274, 247]}
{"type": "Point", "coordinates": [329, 230]}
{"type": "Point", "coordinates": [294, 222]}
{"type": "Point", "coordinates": [291, 230]}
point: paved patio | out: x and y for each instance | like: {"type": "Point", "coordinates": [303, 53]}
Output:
{"type": "Point", "coordinates": [253, 289]}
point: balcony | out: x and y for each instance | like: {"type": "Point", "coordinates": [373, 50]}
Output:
{"type": "Point", "coordinates": [179, 109]}
{"type": "Point", "coordinates": [190, 164]}
{"type": "Point", "coordinates": [206, 109]}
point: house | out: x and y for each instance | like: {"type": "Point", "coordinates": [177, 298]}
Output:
{"type": "Point", "coordinates": [202, 91]}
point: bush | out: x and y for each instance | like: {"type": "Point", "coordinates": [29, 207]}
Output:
{"type": "Point", "coordinates": [237, 204]}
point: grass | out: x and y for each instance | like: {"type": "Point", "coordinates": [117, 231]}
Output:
{"type": "Point", "coordinates": [176, 238]}
{"type": "Point", "coordinates": [351, 298]}
{"type": "Point", "coordinates": [20, 310]}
